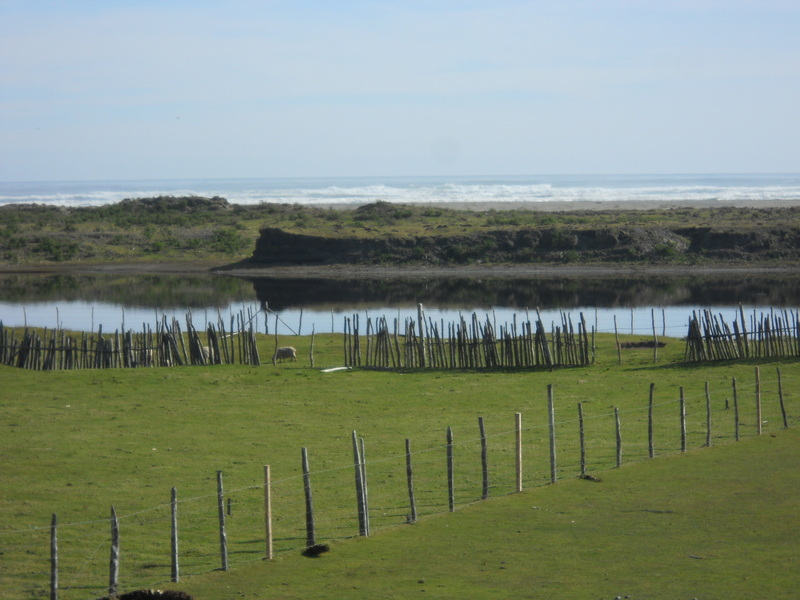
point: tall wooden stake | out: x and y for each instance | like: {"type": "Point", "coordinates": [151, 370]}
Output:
{"type": "Point", "coordinates": [758, 401]}
{"type": "Point", "coordinates": [311, 537]}
{"type": "Point", "coordinates": [582, 439]}
{"type": "Point", "coordinates": [365, 489]}
{"type": "Point", "coordinates": [223, 537]}
{"type": "Point", "coordinates": [708, 416]}
{"type": "Point", "coordinates": [412, 517]}
{"type": "Point", "coordinates": [780, 399]}
{"type": "Point", "coordinates": [484, 460]}
{"type": "Point", "coordinates": [268, 510]}
{"type": "Point", "coordinates": [735, 410]}
{"type": "Point", "coordinates": [450, 473]}
{"type": "Point", "coordinates": [359, 474]}
{"type": "Point", "coordinates": [650, 445]}
{"type": "Point", "coordinates": [619, 436]}
{"type": "Point", "coordinates": [518, 428]}
{"type": "Point", "coordinates": [552, 418]}
{"type": "Point", "coordinates": [174, 535]}
{"type": "Point", "coordinates": [113, 577]}
{"type": "Point", "coordinates": [54, 558]}
{"type": "Point", "coordinates": [683, 421]}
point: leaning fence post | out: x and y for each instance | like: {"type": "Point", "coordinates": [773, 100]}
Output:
{"type": "Point", "coordinates": [780, 398]}
{"type": "Point", "coordinates": [113, 578]}
{"type": "Point", "coordinates": [708, 416]}
{"type": "Point", "coordinates": [518, 427]}
{"type": "Point", "coordinates": [359, 473]}
{"type": "Point", "coordinates": [365, 488]}
{"type": "Point", "coordinates": [174, 535]}
{"type": "Point", "coordinates": [650, 446]}
{"type": "Point", "coordinates": [450, 475]}
{"type": "Point", "coordinates": [412, 517]}
{"type": "Point", "coordinates": [268, 510]}
{"type": "Point", "coordinates": [683, 421]}
{"type": "Point", "coordinates": [619, 436]}
{"type": "Point", "coordinates": [552, 419]}
{"type": "Point", "coordinates": [54, 558]}
{"type": "Point", "coordinates": [582, 439]}
{"type": "Point", "coordinates": [758, 401]}
{"type": "Point", "coordinates": [735, 409]}
{"type": "Point", "coordinates": [484, 459]}
{"type": "Point", "coordinates": [310, 527]}
{"type": "Point", "coordinates": [223, 538]}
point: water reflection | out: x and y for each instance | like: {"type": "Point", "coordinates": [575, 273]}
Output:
{"type": "Point", "coordinates": [82, 302]}
{"type": "Point", "coordinates": [547, 292]}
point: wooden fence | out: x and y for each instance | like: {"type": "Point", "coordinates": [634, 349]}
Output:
{"type": "Point", "coordinates": [770, 334]}
{"type": "Point", "coordinates": [165, 345]}
{"type": "Point", "coordinates": [474, 343]}
{"type": "Point", "coordinates": [312, 507]}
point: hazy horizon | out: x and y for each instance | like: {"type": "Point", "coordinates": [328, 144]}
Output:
{"type": "Point", "coordinates": [172, 90]}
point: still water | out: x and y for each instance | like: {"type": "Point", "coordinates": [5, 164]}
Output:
{"type": "Point", "coordinates": [632, 303]}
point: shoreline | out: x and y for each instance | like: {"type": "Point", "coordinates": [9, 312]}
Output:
{"type": "Point", "coordinates": [585, 205]}
{"type": "Point", "coordinates": [495, 271]}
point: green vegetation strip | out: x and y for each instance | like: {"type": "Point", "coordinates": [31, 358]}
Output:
{"type": "Point", "coordinates": [211, 229]}
{"type": "Point", "coordinates": [717, 522]}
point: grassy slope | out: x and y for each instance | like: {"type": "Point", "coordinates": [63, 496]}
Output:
{"type": "Point", "coordinates": [76, 442]}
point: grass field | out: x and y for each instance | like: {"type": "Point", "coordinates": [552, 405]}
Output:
{"type": "Point", "coordinates": [710, 523]}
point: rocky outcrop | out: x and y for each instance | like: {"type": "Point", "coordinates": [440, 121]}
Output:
{"type": "Point", "coordinates": [557, 244]}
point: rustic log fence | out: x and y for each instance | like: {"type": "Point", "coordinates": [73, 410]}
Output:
{"type": "Point", "coordinates": [164, 345]}
{"type": "Point", "coordinates": [459, 470]}
{"type": "Point", "coordinates": [770, 334]}
{"type": "Point", "coordinates": [472, 343]}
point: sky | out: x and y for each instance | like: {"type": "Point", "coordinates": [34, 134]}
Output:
{"type": "Point", "coordinates": [172, 89]}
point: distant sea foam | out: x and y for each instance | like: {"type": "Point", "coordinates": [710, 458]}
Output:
{"type": "Point", "coordinates": [418, 190]}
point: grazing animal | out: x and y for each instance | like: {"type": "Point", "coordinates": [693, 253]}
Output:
{"type": "Point", "coordinates": [285, 353]}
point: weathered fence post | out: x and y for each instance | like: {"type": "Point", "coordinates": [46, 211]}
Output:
{"type": "Point", "coordinates": [412, 517]}
{"type": "Point", "coordinates": [650, 446]}
{"type": "Point", "coordinates": [484, 460]}
{"type": "Point", "coordinates": [223, 538]}
{"type": "Point", "coordinates": [735, 410]}
{"type": "Point", "coordinates": [113, 577]}
{"type": "Point", "coordinates": [54, 558]}
{"type": "Point", "coordinates": [683, 421]}
{"type": "Point", "coordinates": [175, 576]}
{"type": "Point", "coordinates": [450, 474]}
{"type": "Point", "coordinates": [552, 418]}
{"type": "Point", "coordinates": [708, 416]}
{"type": "Point", "coordinates": [616, 336]}
{"type": "Point", "coordinates": [311, 538]}
{"type": "Point", "coordinates": [758, 401]}
{"type": "Point", "coordinates": [423, 362]}
{"type": "Point", "coordinates": [360, 496]}
{"type": "Point", "coordinates": [365, 485]}
{"type": "Point", "coordinates": [582, 439]}
{"type": "Point", "coordinates": [780, 399]}
{"type": "Point", "coordinates": [268, 510]}
{"type": "Point", "coordinates": [619, 437]}
{"type": "Point", "coordinates": [518, 435]}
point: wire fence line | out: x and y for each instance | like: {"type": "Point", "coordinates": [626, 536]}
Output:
{"type": "Point", "coordinates": [527, 452]}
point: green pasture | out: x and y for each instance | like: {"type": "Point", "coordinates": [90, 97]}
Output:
{"type": "Point", "coordinates": [708, 523]}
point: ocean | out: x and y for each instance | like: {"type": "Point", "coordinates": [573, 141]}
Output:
{"type": "Point", "coordinates": [420, 190]}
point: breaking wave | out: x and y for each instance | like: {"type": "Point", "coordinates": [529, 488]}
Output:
{"type": "Point", "coordinates": [419, 190]}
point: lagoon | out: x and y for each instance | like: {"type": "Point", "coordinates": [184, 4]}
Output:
{"type": "Point", "coordinates": [631, 303]}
